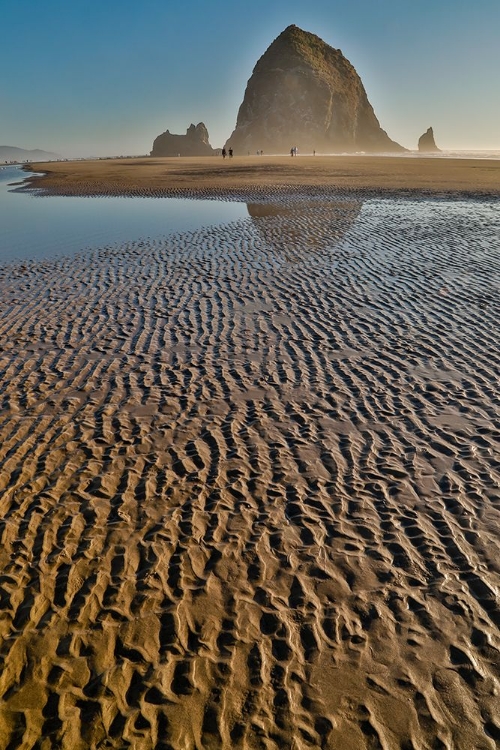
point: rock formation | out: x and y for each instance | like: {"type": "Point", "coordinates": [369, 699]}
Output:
{"type": "Point", "coordinates": [194, 143]}
{"type": "Point", "coordinates": [304, 93]}
{"type": "Point", "coordinates": [427, 143]}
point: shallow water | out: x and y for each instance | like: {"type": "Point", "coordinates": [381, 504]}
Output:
{"type": "Point", "coordinates": [40, 227]}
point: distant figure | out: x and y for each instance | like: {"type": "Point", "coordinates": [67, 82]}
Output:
{"type": "Point", "coordinates": [223, 153]}
{"type": "Point", "coordinates": [291, 151]}
{"type": "Point", "coordinates": [230, 153]}
{"type": "Point", "coordinates": [314, 153]}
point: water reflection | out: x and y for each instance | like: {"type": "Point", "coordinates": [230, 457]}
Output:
{"type": "Point", "coordinates": [305, 226]}
{"type": "Point", "coordinates": [41, 227]}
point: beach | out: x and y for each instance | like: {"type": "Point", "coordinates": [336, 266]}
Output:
{"type": "Point", "coordinates": [249, 483]}
{"type": "Point", "coordinates": [216, 176]}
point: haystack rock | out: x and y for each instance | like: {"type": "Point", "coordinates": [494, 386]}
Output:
{"type": "Point", "coordinates": [194, 143]}
{"type": "Point", "coordinates": [426, 142]}
{"type": "Point", "coordinates": [304, 93]}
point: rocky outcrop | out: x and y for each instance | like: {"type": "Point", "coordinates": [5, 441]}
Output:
{"type": "Point", "coordinates": [427, 143]}
{"type": "Point", "coordinates": [194, 143]}
{"type": "Point", "coordinates": [304, 93]}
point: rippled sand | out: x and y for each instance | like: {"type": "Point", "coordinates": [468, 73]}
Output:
{"type": "Point", "coordinates": [250, 485]}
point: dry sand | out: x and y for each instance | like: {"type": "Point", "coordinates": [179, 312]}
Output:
{"type": "Point", "coordinates": [211, 175]}
{"type": "Point", "coordinates": [250, 485]}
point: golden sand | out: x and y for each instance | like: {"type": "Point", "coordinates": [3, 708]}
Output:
{"type": "Point", "coordinates": [213, 174]}
{"type": "Point", "coordinates": [249, 487]}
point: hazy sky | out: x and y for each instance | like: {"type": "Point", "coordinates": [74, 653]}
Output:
{"type": "Point", "coordinates": [101, 77]}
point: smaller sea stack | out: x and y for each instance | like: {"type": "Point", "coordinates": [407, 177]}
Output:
{"type": "Point", "coordinates": [426, 142]}
{"type": "Point", "coordinates": [194, 143]}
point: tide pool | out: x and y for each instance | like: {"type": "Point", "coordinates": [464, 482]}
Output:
{"type": "Point", "coordinates": [33, 226]}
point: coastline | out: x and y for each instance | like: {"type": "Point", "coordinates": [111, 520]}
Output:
{"type": "Point", "coordinates": [249, 473]}
{"type": "Point", "coordinates": [214, 177]}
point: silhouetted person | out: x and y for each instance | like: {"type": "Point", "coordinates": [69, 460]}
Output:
{"type": "Point", "coordinates": [230, 153]}
{"type": "Point", "coordinates": [223, 153]}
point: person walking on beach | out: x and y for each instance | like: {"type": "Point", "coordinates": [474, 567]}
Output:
{"type": "Point", "coordinates": [230, 153]}
{"type": "Point", "coordinates": [223, 153]}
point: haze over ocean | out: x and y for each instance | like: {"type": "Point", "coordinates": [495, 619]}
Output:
{"type": "Point", "coordinates": [97, 79]}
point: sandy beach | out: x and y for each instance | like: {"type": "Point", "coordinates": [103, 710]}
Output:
{"type": "Point", "coordinates": [215, 176]}
{"type": "Point", "coordinates": [249, 486]}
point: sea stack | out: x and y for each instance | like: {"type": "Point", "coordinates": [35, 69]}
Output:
{"type": "Point", "coordinates": [194, 143]}
{"type": "Point", "coordinates": [427, 143]}
{"type": "Point", "coordinates": [304, 93]}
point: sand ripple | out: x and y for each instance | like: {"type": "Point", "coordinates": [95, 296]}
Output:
{"type": "Point", "coordinates": [250, 486]}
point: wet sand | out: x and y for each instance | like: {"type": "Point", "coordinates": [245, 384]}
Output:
{"type": "Point", "coordinates": [214, 175]}
{"type": "Point", "coordinates": [250, 484]}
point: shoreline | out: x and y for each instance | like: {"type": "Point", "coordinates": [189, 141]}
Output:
{"type": "Point", "coordinates": [212, 177]}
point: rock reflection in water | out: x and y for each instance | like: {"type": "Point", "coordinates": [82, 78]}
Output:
{"type": "Point", "coordinates": [305, 226]}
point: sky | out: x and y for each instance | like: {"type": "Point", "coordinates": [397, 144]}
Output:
{"type": "Point", "coordinates": [105, 77]}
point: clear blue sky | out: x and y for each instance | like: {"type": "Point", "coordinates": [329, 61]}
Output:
{"type": "Point", "coordinates": [101, 77]}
